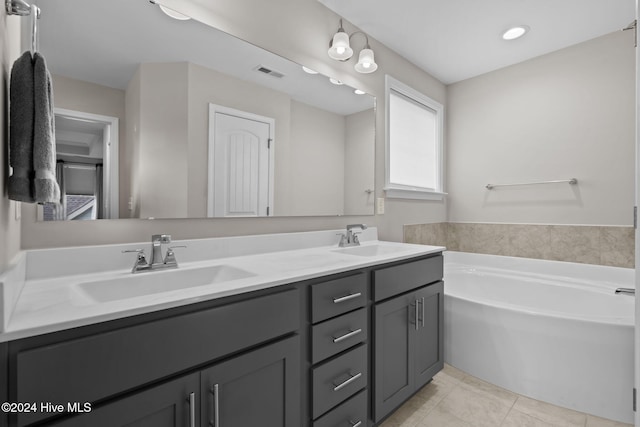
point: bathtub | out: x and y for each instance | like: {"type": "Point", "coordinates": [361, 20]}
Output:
{"type": "Point", "coordinates": [553, 331]}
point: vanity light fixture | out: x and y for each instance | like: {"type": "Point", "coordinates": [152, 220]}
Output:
{"type": "Point", "coordinates": [170, 12]}
{"type": "Point", "coordinates": [340, 50]}
{"type": "Point", "coordinates": [359, 92]}
{"type": "Point", "coordinates": [335, 81]}
{"type": "Point", "coordinates": [515, 32]}
{"type": "Point", "coordinates": [309, 70]}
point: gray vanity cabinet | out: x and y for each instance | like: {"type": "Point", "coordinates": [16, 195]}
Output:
{"type": "Point", "coordinates": [171, 404]}
{"type": "Point", "coordinates": [260, 388]}
{"type": "Point", "coordinates": [408, 333]}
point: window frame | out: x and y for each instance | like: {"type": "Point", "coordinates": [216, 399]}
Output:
{"type": "Point", "coordinates": [402, 191]}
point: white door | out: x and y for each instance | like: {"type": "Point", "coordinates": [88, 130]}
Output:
{"type": "Point", "coordinates": [240, 164]}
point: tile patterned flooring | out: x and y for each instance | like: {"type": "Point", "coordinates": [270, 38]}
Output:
{"type": "Point", "coordinates": [456, 399]}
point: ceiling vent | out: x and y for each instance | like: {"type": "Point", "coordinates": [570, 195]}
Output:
{"type": "Point", "coordinates": [269, 71]}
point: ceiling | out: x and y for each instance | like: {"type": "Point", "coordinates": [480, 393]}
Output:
{"type": "Point", "coordinates": [454, 40]}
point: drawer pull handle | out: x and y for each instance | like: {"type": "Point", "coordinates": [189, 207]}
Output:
{"type": "Point", "coordinates": [355, 424]}
{"type": "Point", "coordinates": [215, 422]}
{"type": "Point", "coordinates": [192, 409]}
{"type": "Point", "coordinates": [346, 297]}
{"type": "Point", "coordinates": [347, 335]}
{"type": "Point", "coordinates": [422, 311]}
{"type": "Point", "coordinates": [417, 302]}
{"type": "Point", "coordinates": [347, 382]}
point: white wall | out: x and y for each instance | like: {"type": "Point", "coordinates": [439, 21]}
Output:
{"type": "Point", "coordinates": [9, 225]}
{"type": "Point", "coordinates": [563, 115]}
{"type": "Point", "coordinates": [316, 161]}
{"type": "Point", "coordinates": [359, 161]}
{"type": "Point", "coordinates": [163, 141]}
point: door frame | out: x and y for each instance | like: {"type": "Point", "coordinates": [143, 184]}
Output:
{"type": "Point", "coordinates": [110, 156]}
{"type": "Point", "coordinates": [215, 108]}
{"type": "Point", "coordinates": [637, 234]}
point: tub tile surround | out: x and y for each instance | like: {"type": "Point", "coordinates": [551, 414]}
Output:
{"type": "Point", "coordinates": [601, 245]}
{"type": "Point", "coordinates": [456, 399]}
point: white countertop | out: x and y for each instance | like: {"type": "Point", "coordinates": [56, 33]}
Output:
{"type": "Point", "coordinates": [56, 303]}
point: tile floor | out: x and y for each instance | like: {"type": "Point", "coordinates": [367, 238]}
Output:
{"type": "Point", "coordinates": [456, 399]}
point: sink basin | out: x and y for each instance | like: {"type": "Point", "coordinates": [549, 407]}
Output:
{"type": "Point", "coordinates": [372, 250]}
{"type": "Point", "coordinates": [154, 282]}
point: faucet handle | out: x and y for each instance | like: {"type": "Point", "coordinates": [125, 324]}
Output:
{"type": "Point", "coordinates": [343, 239]}
{"type": "Point", "coordinates": [139, 251]}
{"type": "Point", "coordinates": [141, 260]}
{"type": "Point", "coordinates": [170, 258]}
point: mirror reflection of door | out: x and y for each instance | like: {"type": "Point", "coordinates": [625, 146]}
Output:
{"type": "Point", "coordinates": [240, 163]}
{"type": "Point", "coordinates": [86, 150]}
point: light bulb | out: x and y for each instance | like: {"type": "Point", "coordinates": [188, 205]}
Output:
{"type": "Point", "coordinates": [366, 63]}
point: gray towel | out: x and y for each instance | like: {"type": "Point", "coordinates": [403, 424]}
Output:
{"type": "Point", "coordinates": [46, 187]}
{"type": "Point", "coordinates": [21, 118]}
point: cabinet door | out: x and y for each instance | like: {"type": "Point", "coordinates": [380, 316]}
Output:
{"type": "Point", "coordinates": [171, 404]}
{"type": "Point", "coordinates": [428, 351]}
{"type": "Point", "coordinates": [260, 388]}
{"type": "Point", "coordinates": [395, 322]}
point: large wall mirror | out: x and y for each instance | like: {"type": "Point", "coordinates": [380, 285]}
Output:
{"type": "Point", "coordinates": [164, 118]}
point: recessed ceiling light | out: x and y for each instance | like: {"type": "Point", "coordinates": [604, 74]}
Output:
{"type": "Point", "coordinates": [309, 70]}
{"type": "Point", "coordinates": [515, 32]}
{"type": "Point", "coordinates": [359, 92]}
{"type": "Point", "coordinates": [335, 81]}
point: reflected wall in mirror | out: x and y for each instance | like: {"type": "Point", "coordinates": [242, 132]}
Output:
{"type": "Point", "coordinates": [160, 118]}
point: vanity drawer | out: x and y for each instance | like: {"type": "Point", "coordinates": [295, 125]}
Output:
{"type": "Point", "coordinates": [395, 280]}
{"type": "Point", "coordinates": [336, 335]}
{"type": "Point", "coordinates": [336, 380]}
{"type": "Point", "coordinates": [95, 367]}
{"type": "Point", "coordinates": [332, 298]}
{"type": "Point", "coordinates": [348, 414]}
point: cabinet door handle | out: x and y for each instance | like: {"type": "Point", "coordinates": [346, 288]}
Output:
{"type": "Point", "coordinates": [346, 297]}
{"type": "Point", "coordinates": [417, 315]}
{"type": "Point", "coordinates": [192, 409]}
{"type": "Point", "coordinates": [347, 335]}
{"type": "Point", "coordinates": [347, 382]}
{"type": "Point", "coordinates": [422, 299]}
{"type": "Point", "coordinates": [215, 422]}
{"type": "Point", "coordinates": [355, 424]}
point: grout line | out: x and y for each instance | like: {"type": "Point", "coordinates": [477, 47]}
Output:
{"type": "Point", "coordinates": [510, 409]}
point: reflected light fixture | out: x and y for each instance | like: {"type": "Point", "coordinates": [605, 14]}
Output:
{"type": "Point", "coordinates": [335, 81]}
{"type": "Point", "coordinates": [359, 92]}
{"type": "Point", "coordinates": [309, 70]}
{"type": "Point", "coordinates": [170, 12]}
{"type": "Point", "coordinates": [340, 50]}
{"type": "Point", "coordinates": [515, 32]}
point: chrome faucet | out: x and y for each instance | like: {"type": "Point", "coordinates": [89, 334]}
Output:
{"type": "Point", "coordinates": [351, 237]}
{"type": "Point", "coordinates": [626, 291]}
{"type": "Point", "coordinates": [157, 261]}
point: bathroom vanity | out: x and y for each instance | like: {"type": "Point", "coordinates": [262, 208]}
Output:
{"type": "Point", "coordinates": [346, 343]}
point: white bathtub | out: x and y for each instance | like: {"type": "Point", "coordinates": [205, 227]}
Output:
{"type": "Point", "coordinates": [553, 331]}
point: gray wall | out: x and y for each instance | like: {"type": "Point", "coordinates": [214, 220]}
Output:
{"type": "Point", "coordinates": [570, 113]}
{"type": "Point", "coordinates": [269, 25]}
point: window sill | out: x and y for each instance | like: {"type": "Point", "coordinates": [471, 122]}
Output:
{"type": "Point", "coordinates": [397, 193]}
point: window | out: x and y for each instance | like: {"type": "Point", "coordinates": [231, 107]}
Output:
{"type": "Point", "coordinates": [414, 148]}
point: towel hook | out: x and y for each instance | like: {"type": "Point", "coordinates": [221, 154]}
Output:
{"type": "Point", "coordinates": [22, 8]}
{"type": "Point", "coordinates": [19, 7]}
{"type": "Point", "coordinates": [35, 14]}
